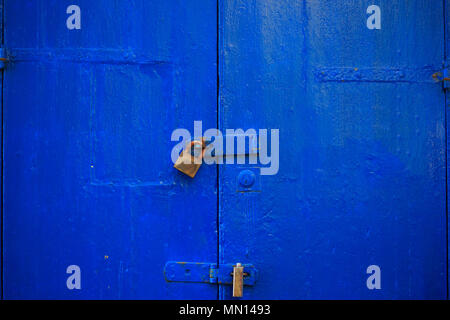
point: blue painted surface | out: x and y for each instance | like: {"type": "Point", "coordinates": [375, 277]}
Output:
{"type": "Point", "coordinates": [88, 178]}
{"type": "Point", "coordinates": [447, 105]}
{"type": "Point", "coordinates": [362, 158]}
{"type": "Point", "coordinates": [87, 170]}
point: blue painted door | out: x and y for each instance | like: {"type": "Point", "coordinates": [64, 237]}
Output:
{"type": "Point", "coordinates": [88, 117]}
{"type": "Point", "coordinates": [447, 105]}
{"type": "Point", "coordinates": [362, 161]}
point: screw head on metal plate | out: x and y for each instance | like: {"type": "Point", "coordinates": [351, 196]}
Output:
{"type": "Point", "coordinates": [246, 178]}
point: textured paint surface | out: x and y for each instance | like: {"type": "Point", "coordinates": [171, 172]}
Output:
{"type": "Point", "coordinates": [88, 119]}
{"type": "Point", "coordinates": [88, 178]}
{"type": "Point", "coordinates": [447, 105]}
{"type": "Point", "coordinates": [362, 158]}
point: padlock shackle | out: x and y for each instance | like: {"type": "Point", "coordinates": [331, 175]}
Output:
{"type": "Point", "coordinates": [196, 142]}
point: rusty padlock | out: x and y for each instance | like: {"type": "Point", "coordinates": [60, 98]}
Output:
{"type": "Point", "coordinates": [191, 158]}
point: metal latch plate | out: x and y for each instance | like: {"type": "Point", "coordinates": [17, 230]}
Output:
{"type": "Point", "coordinates": [206, 272]}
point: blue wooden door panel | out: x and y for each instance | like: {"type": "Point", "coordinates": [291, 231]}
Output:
{"type": "Point", "coordinates": [447, 105]}
{"type": "Point", "coordinates": [362, 147]}
{"type": "Point", "coordinates": [88, 179]}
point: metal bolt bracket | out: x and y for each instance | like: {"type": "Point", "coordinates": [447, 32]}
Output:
{"type": "Point", "coordinates": [175, 271]}
{"type": "Point", "coordinates": [442, 76]}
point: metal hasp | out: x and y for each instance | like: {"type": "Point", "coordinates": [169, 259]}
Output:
{"type": "Point", "coordinates": [3, 58]}
{"type": "Point", "coordinates": [207, 272]}
{"type": "Point", "coordinates": [444, 77]}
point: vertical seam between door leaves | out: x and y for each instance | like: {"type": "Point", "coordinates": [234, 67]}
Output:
{"type": "Point", "coordinates": [1, 218]}
{"type": "Point", "coordinates": [446, 151]}
{"type": "Point", "coordinates": [217, 125]}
